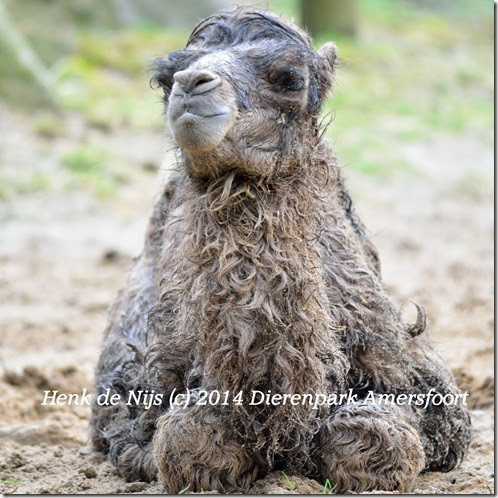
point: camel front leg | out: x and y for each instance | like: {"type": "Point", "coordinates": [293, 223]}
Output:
{"type": "Point", "coordinates": [366, 446]}
{"type": "Point", "coordinates": [196, 447]}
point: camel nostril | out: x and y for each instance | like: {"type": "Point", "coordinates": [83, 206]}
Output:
{"type": "Point", "coordinates": [201, 81]}
{"type": "Point", "coordinates": [195, 81]}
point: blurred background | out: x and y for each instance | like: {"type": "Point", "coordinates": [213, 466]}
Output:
{"type": "Point", "coordinates": [83, 150]}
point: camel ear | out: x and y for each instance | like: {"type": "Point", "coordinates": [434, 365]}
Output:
{"type": "Point", "coordinates": [328, 61]}
{"type": "Point", "coordinates": [329, 53]}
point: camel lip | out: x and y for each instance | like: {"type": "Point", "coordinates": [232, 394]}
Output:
{"type": "Point", "coordinates": [199, 132]}
{"type": "Point", "coordinates": [189, 114]}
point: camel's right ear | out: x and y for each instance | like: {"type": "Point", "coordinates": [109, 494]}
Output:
{"type": "Point", "coordinates": [328, 61]}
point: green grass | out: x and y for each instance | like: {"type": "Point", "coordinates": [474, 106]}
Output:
{"type": "Point", "coordinates": [184, 490]}
{"type": "Point", "coordinates": [328, 489]}
{"type": "Point", "coordinates": [84, 160]}
{"type": "Point", "coordinates": [35, 183]}
{"type": "Point", "coordinates": [24, 184]}
{"type": "Point", "coordinates": [290, 484]}
{"type": "Point", "coordinates": [94, 169]}
{"type": "Point", "coordinates": [48, 125]}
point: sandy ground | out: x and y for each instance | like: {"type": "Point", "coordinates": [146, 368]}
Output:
{"type": "Point", "coordinates": [63, 256]}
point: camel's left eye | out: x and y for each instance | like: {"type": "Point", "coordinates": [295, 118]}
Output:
{"type": "Point", "coordinates": [287, 78]}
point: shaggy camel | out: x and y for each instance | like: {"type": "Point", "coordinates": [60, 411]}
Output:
{"type": "Point", "coordinates": [257, 277]}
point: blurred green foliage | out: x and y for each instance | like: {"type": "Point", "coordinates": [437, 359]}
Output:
{"type": "Point", "coordinates": [411, 73]}
{"type": "Point", "coordinates": [24, 184]}
{"type": "Point", "coordinates": [94, 168]}
{"type": "Point", "coordinates": [106, 78]}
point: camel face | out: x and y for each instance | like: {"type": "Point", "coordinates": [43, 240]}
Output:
{"type": "Point", "coordinates": [244, 95]}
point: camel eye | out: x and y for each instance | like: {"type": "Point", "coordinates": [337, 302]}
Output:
{"type": "Point", "coordinates": [287, 78]}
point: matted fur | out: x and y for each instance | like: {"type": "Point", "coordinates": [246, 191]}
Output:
{"type": "Point", "coordinates": [266, 281]}
{"type": "Point", "coordinates": [388, 455]}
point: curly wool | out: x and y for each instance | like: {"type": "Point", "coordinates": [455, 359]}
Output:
{"type": "Point", "coordinates": [249, 290]}
{"type": "Point", "coordinates": [268, 286]}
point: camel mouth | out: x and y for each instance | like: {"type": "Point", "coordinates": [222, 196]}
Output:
{"type": "Point", "coordinates": [194, 115]}
{"type": "Point", "coordinates": [196, 107]}
{"type": "Point", "coordinates": [198, 128]}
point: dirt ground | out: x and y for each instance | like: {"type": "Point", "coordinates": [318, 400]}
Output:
{"type": "Point", "coordinates": [64, 254]}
